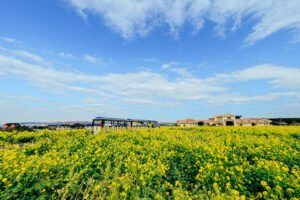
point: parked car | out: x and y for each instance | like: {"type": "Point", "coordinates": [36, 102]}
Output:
{"type": "Point", "coordinates": [11, 126]}
{"type": "Point", "coordinates": [15, 126]}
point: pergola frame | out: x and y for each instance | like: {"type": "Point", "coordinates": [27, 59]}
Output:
{"type": "Point", "coordinates": [108, 123]}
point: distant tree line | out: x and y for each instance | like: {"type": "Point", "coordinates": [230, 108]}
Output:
{"type": "Point", "coordinates": [289, 121]}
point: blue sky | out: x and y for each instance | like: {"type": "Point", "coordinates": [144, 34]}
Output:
{"type": "Point", "coordinates": [166, 60]}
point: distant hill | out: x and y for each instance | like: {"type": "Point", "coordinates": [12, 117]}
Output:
{"type": "Point", "coordinates": [53, 123]}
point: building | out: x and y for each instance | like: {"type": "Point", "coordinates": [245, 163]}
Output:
{"type": "Point", "coordinates": [222, 120]}
{"type": "Point", "coordinates": [190, 122]}
{"type": "Point", "coordinates": [225, 120]}
{"type": "Point", "coordinates": [253, 122]}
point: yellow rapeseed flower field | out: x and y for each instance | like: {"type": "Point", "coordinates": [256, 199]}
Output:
{"type": "Point", "coordinates": [160, 163]}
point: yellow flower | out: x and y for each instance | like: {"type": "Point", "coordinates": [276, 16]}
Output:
{"type": "Point", "coordinates": [259, 195]}
{"type": "Point", "coordinates": [215, 185]}
{"type": "Point", "coordinates": [265, 193]}
{"type": "Point", "coordinates": [4, 180]}
{"type": "Point", "coordinates": [278, 178]}
{"type": "Point", "coordinates": [290, 190]}
{"type": "Point", "coordinates": [263, 183]}
{"type": "Point", "coordinates": [235, 192]}
{"type": "Point", "coordinates": [278, 187]}
{"type": "Point", "coordinates": [285, 169]}
{"type": "Point", "coordinates": [97, 187]}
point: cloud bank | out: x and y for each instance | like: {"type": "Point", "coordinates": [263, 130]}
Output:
{"type": "Point", "coordinates": [137, 18]}
{"type": "Point", "coordinates": [153, 87]}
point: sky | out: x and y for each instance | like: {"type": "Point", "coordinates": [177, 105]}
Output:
{"type": "Point", "coordinates": [63, 60]}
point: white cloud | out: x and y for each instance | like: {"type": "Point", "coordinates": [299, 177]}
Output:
{"type": "Point", "coordinates": [47, 78]}
{"type": "Point", "coordinates": [7, 39]}
{"type": "Point", "coordinates": [155, 89]}
{"type": "Point", "coordinates": [182, 71]}
{"type": "Point", "coordinates": [238, 99]}
{"type": "Point", "coordinates": [93, 59]}
{"type": "Point", "coordinates": [97, 60]}
{"type": "Point", "coordinates": [139, 84]}
{"type": "Point", "coordinates": [67, 55]}
{"type": "Point", "coordinates": [2, 73]}
{"type": "Point", "coordinates": [278, 76]}
{"type": "Point", "coordinates": [149, 103]}
{"type": "Point", "coordinates": [280, 15]}
{"type": "Point", "coordinates": [153, 85]}
{"type": "Point", "coordinates": [169, 65]}
{"type": "Point", "coordinates": [19, 97]}
{"type": "Point", "coordinates": [212, 90]}
{"type": "Point", "coordinates": [18, 112]}
{"type": "Point", "coordinates": [131, 18]}
{"type": "Point", "coordinates": [25, 54]}
{"type": "Point", "coordinates": [143, 86]}
{"type": "Point", "coordinates": [37, 72]}
{"type": "Point", "coordinates": [134, 18]}
{"type": "Point", "coordinates": [292, 105]}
